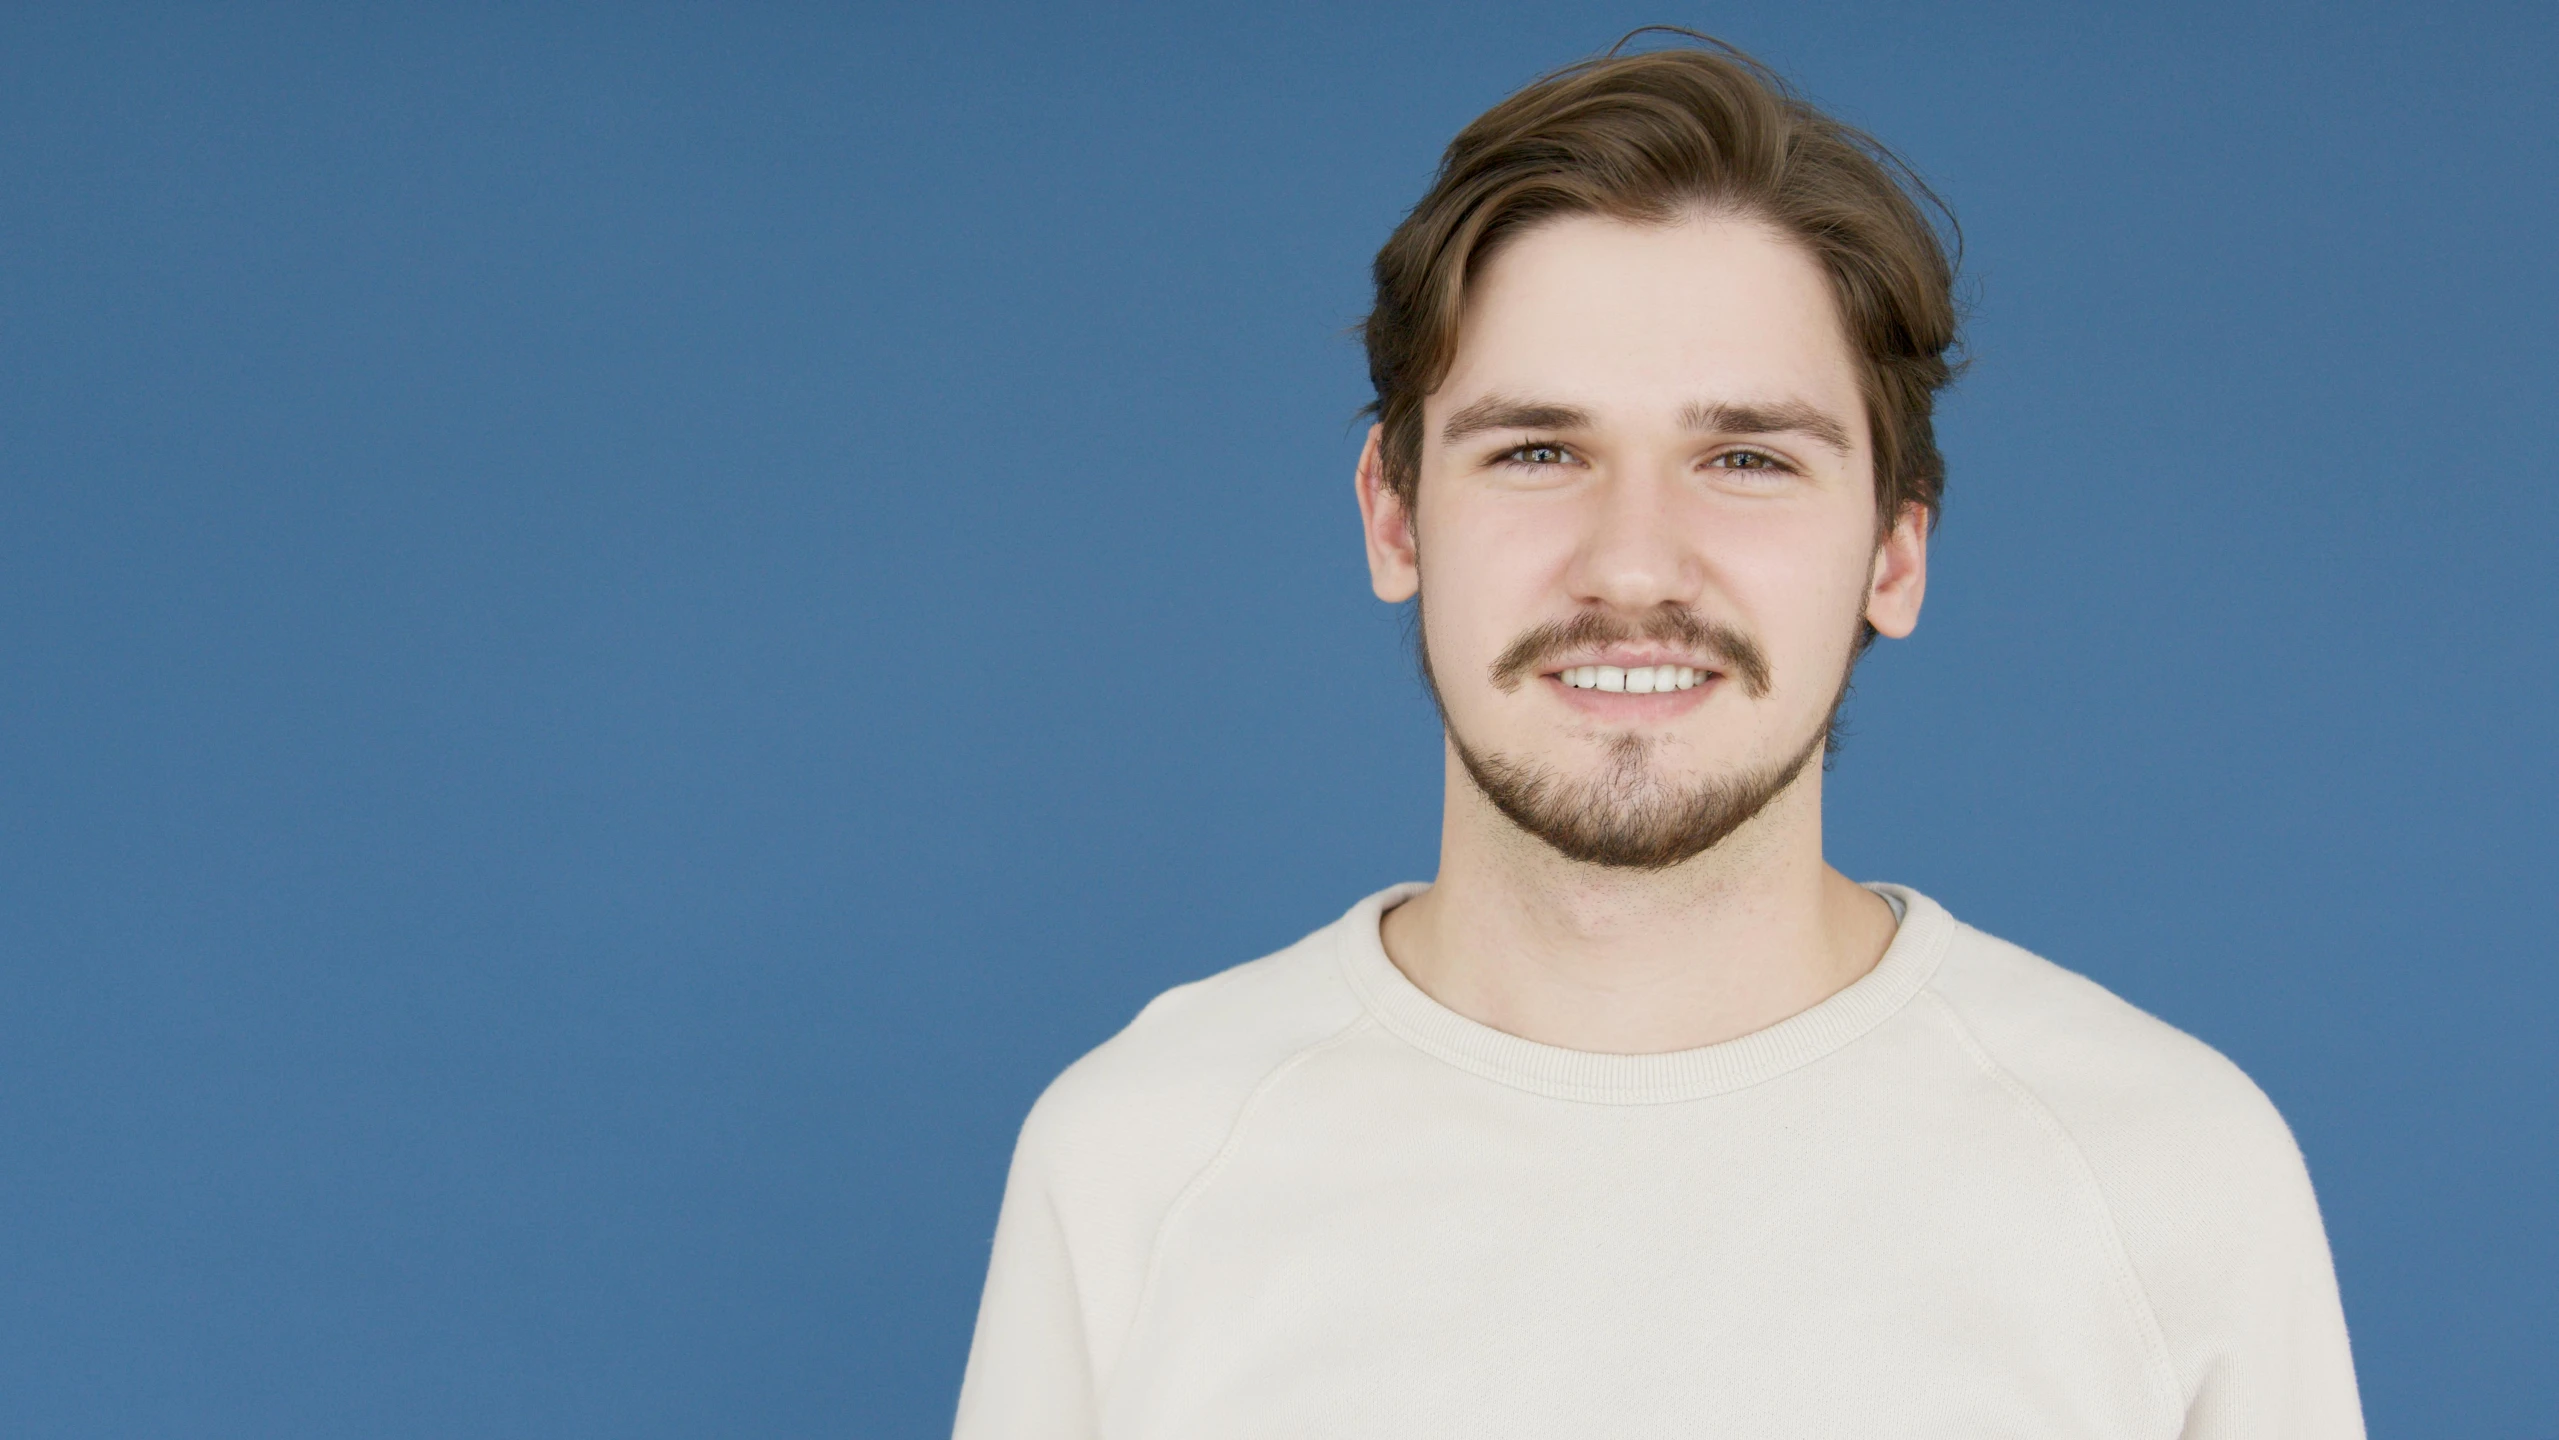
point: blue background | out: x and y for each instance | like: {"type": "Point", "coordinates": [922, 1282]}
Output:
{"type": "Point", "coordinates": [624, 626]}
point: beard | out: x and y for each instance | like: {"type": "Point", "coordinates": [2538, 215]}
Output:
{"type": "Point", "coordinates": [1627, 817]}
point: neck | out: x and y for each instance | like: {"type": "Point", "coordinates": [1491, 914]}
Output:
{"type": "Point", "coordinates": [1515, 936]}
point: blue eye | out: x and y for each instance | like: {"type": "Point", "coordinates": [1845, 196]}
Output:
{"type": "Point", "coordinates": [1539, 453]}
{"type": "Point", "coordinates": [1747, 460]}
{"type": "Point", "coordinates": [1752, 462]}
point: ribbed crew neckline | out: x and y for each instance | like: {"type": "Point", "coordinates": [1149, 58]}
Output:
{"type": "Point", "coordinates": [1919, 943]}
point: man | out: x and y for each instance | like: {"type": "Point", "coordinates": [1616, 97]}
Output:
{"type": "Point", "coordinates": [1641, 1119]}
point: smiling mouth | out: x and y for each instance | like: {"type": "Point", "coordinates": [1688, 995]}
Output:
{"type": "Point", "coordinates": [1638, 680]}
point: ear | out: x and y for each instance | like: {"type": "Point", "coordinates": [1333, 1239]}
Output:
{"type": "Point", "coordinates": [1394, 567]}
{"type": "Point", "coordinates": [1900, 577]}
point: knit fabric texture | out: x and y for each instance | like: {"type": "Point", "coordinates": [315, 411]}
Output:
{"type": "Point", "coordinates": [1970, 1195]}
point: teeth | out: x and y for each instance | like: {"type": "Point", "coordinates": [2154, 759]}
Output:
{"type": "Point", "coordinates": [1642, 680]}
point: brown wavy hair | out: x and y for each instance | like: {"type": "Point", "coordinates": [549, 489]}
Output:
{"type": "Point", "coordinates": [1646, 138]}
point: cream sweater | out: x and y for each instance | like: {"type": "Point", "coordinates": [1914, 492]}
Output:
{"type": "Point", "coordinates": [1970, 1195]}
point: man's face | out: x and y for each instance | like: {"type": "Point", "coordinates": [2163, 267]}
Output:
{"type": "Point", "coordinates": [1645, 532]}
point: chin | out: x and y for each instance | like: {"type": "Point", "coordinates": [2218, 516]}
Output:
{"type": "Point", "coordinates": [1624, 813]}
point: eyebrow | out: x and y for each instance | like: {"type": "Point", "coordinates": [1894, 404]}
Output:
{"type": "Point", "coordinates": [1782, 417]}
{"type": "Point", "coordinates": [1500, 412]}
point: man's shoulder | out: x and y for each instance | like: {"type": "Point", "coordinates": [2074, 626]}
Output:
{"type": "Point", "coordinates": [2110, 1072]}
{"type": "Point", "coordinates": [1116, 1140]}
{"type": "Point", "coordinates": [2199, 1175]}
{"type": "Point", "coordinates": [1162, 1093]}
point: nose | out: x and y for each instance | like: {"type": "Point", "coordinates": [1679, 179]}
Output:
{"type": "Point", "coordinates": [1632, 556]}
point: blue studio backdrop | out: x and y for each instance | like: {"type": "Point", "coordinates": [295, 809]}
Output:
{"type": "Point", "coordinates": [623, 626]}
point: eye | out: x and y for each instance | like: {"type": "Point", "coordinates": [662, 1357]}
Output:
{"type": "Point", "coordinates": [1537, 454]}
{"type": "Point", "coordinates": [1756, 463]}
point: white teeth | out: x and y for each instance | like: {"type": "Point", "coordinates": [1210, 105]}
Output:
{"type": "Point", "coordinates": [1641, 680]}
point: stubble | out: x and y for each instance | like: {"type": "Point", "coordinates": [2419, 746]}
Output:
{"type": "Point", "coordinates": [1627, 816]}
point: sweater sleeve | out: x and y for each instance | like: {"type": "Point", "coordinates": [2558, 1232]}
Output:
{"type": "Point", "coordinates": [2252, 1299]}
{"type": "Point", "coordinates": [2203, 1183]}
{"type": "Point", "coordinates": [1029, 1369]}
{"type": "Point", "coordinates": [1101, 1160]}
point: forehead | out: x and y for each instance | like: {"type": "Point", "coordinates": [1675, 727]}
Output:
{"type": "Point", "coordinates": [1632, 320]}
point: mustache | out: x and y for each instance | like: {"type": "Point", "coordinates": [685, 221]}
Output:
{"type": "Point", "coordinates": [1734, 652]}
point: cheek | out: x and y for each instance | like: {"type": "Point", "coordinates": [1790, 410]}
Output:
{"type": "Point", "coordinates": [1802, 590]}
{"type": "Point", "coordinates": [1460, 621]}
{"type": "Point", "coordinates": [1487, 575]}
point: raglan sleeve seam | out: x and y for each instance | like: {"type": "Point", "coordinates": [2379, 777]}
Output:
{"type": "Point", "coordinates": [1271, 1080]}
{"type": "Point", "coordinates": [2170, 1388]}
